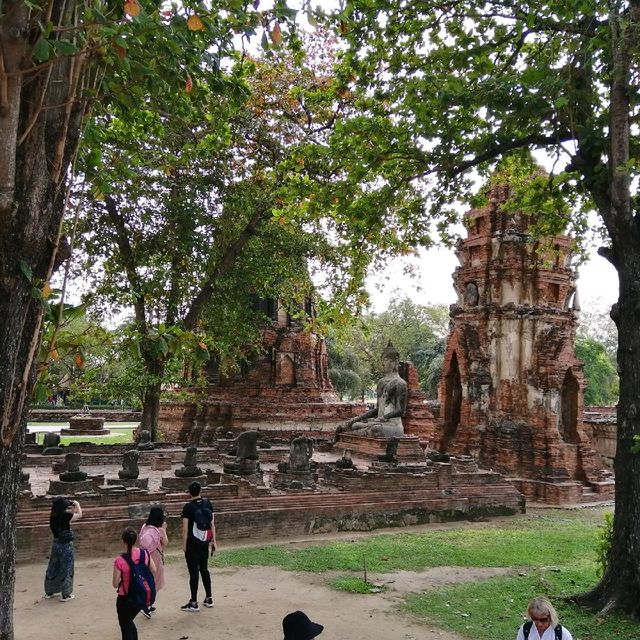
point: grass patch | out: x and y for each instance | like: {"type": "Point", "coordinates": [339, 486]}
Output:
{"type": "Point", "coordinates": [554, 551]}
{"type": "Point", "coordinates": [494, 608]}
{"type": "Point", "coordinates": [353, 584]}
{"type": "Point", "coordinates": [124, 435]}
{"type": "Point", "coordinates": [534, 542]}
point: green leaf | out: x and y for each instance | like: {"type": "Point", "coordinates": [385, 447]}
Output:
{"type": "Point", "coordinates": [42, 50]}
{"type": "Point", "coordinates": [64, 46]}
{"type": "Point", "coordinates": [26, 270]}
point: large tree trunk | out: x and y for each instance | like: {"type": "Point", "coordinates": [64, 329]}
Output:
{"type": "Point", "coordinates": [151, 402]}
{"type": "Point", "coordinates": [9, 478]}
{"type": "Point", "coordinates": [39, 129]}
{"type": "Point", "coordinates": [620, 585]}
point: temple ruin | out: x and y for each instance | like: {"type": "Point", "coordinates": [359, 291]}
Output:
{"type": "Point", "coordinates": [511, 392]}
{"type": "Point", "coordinates": [286, 392]}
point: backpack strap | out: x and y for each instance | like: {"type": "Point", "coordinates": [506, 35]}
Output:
{"type": "Point", "coordinates": [526, 630]}
{"type": "Point", "coordinates": [129, 561]}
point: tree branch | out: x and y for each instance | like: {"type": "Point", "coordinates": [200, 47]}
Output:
{"type": "Point", "coordinates": [504, 147]}
{"type": "Point", "coordinates": [226, 262]}
{"type": "Point", "coordinates": [122, 238]}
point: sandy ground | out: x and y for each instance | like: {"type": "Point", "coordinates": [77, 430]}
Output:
{"type": "Point", "coordinates": [249, 605]}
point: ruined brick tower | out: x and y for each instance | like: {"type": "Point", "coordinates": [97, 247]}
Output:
{"type": "Point", "coordinates": [511, 392]}
{"type": "Point", "coordinates": [285, 392]}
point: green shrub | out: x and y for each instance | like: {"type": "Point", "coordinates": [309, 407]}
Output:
{"type": "Point", "coordinates": [603, 545]}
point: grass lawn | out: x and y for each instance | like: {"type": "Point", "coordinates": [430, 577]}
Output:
{"type": "Point", "coordinates": [122, 435]}
{"type": "Point", "coordinates": [494, 608]}
{"type": "Point", "coordinates": [542, 541]}
{"type": "Point", "coordinates": [553, 552]}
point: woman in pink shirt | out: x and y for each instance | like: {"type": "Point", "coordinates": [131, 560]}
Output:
{"type": "Point", "coordinates": [125, 609]}
{"type": "Point", "coordinates": [153, 538]}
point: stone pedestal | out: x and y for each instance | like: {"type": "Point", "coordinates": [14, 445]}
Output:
{"type": "Point", "coordinates": [390, 467]}
{"type": "Point", "coordinates": [62, 488]}
{"type": "Point", "coordinates": [85, 425]}
{"type": "Point", "coordinates": [175, 484]}
{"type": "Point", "coordinates": [161, 463]}
{"type": "Point", "coordinates": [409, 448]}
{"type": "Point", "coordinates": [295, 480]}
{"type": "Point", "coordinates": [241, 467]}
{"type": "Point", "coordinates": [141, 483]}
{"type": "Point", "coordinates": [25, 485]}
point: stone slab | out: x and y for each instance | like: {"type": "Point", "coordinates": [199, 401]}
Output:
{"type": "Point", "coordinates": [85, 432]}
{"type": "Point", "coordinates": [141, 483]}
{"type": "Point", "coordinates": [173, 483]}
{"type": "Point", "coordinates": [60, 487]}
{"type": "Point", "coordinates": [306, 479]}
{"type": "Point", "coordinates": [409, 448]}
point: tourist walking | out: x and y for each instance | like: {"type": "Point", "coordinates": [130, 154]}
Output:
{"type": "Point", "coordinates": [297, 626]}
{"type": "Point", "coordinates": [59, 575]}
{"type": "Point", "coordinates": [543, 622]}
{"type": "Point", "coordinates": [153, 539]}
{"type": "Point", "coordinates": [126, 608]}
{"type": "Point", "coordinates": [198, 536]}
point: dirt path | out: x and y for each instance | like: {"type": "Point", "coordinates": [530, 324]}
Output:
{"type": "Point", "coordinates": [250, 605]}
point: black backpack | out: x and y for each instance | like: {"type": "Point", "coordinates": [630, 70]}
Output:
{"type": "Point", "coordinates": [142, 585]}
{"type": "Point", "coordinates": [526, 630]}
{"type": "Point", "coordinates": [202, 521]}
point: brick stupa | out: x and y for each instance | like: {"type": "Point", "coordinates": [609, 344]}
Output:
{"type": "Point", "coordinates": [287, 392]}
{"type": "Point", "coordinates": [511, 393]}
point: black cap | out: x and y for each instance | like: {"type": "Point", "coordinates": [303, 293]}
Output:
{"type": "Point", "coordinates": [297, 626]}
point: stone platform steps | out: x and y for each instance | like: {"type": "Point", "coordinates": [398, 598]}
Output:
{"type": "Point", "coordinates": [268, 516]}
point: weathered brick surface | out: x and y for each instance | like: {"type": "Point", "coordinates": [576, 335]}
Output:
{"type": "Point", "coordinates": [600, 424]}
{"type": "Point", "coordinates": [287, 393]}
{"type": "Point", "coordinates": [512, 388]}
{"type": "Point", "coordinates": [246, 511]}
{"type": "Point", "coordinates": [408, 447]}
{"type": "Point", "coordinates": [417, 420]}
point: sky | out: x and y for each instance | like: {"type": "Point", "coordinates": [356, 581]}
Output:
{"type": "Point", "coordinates": [433, 282]}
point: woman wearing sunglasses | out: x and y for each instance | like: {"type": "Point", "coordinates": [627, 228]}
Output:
{"type": "Point", "coordinates": [543, 623]}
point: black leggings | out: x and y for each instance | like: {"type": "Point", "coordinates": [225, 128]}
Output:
{"type": "Point", "coordinates": [126, 613]}
{"type": "Point", "coordinates": [197, 558]}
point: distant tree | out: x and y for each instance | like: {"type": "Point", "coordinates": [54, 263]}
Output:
{"type": "Point", "coordinates": [191, 199]}
{"type": "Point", "coordinates": [417, 331]}
{"type": "Point", "coordinates": [596, 323]}
{"type": "Point", "coordinates": [70, 341]}
{"type": "Point", "coordinates": [599, 371]}
{"type": "Point", "coordinates": [350, 362]}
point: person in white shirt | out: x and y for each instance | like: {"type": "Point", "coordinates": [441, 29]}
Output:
{"type": "Point", "coordinates": [543, 622]}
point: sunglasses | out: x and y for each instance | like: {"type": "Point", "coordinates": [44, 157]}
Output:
{"type": "Point", "coordinates": [542, 620]}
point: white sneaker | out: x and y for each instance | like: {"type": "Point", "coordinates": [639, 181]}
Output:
{"type": "Point", "coordinates": [67, 598]}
